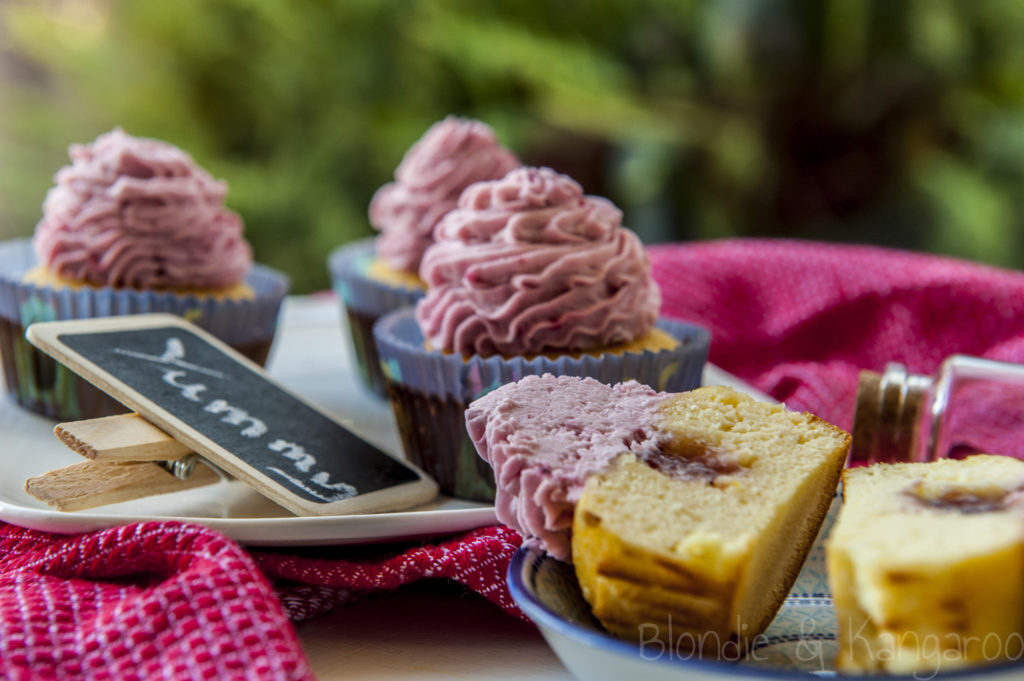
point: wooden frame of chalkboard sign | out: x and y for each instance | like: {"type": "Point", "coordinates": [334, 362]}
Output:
{"type": "Point", "coordinates": [225, 408]}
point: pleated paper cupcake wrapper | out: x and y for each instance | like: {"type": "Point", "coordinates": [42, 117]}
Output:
{"type": "Point", "coordinates": [364, 301]}
{"type": "Point", "coordinates": [42, 385]}
{"type": "Point", "coordinates": [430, 390]}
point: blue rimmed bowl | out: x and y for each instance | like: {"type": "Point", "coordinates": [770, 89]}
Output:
{"type": "Point", "coordinates": [800, 642]}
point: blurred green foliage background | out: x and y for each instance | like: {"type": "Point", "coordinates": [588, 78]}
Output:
{"type": "Point", "coordinates": [896, 122]}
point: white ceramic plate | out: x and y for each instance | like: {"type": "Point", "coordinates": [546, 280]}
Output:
{"type": "Point", "coordinates": [312, 357]}
{"type": "Point", "coordinates": [29, 448]}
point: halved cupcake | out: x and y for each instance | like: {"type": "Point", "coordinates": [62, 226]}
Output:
{"type": "Point", "coordinates": [925, 564]}
{"type": "Point", "coordinates": [687, 516]}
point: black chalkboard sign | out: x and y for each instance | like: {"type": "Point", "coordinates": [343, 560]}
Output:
{"type": "Point", "coordinates": [228, 410]}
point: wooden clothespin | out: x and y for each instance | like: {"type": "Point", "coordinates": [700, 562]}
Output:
{"type": "Point", "coordinates": [128, 458]}
{"type": "Point", "coordinates": [192, 393]}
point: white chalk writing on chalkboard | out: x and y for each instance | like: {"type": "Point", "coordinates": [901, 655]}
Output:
{"type": "Point", "coordinates": [190, 391]}
{"type": "Point", "coordinates": [343, 490]}
{"type": "Point", "coordinates": [237, 417]}
{"type": "Point", "coordinates": [303, 460]}
{"type": "Point", "coordinates": [174, 356]}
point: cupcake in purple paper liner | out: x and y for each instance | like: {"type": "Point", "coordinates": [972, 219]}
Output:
{"type": "Point", "coordinates": [132, 226]}
{"type": "Point", "coordinates": [367, 291]}
{"type": "Point", "coordinates": [375, 276]}
{"type": "Point", "coordinates": [527, 276]}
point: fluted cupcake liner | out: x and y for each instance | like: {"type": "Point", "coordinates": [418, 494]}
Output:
{"type": "Point", "coordinates": [429, 390]}
{"type": "Point", "coordinates": [365, 300]}
{"type": "Point", "coordinates": [42, 385]}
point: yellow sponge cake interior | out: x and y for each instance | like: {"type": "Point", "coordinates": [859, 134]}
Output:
{"type": "Point", "coordinates": [698, 547]}
{"type": "Point", "coordinates": [925, 565]}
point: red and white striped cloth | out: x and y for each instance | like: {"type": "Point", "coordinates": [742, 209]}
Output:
{"type": "Point", "coordinates": [172, 601]}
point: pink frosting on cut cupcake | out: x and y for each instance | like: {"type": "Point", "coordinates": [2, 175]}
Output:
{"type": "Point", "coordinates": [453, 154]}
{"type": "Point", "coordinates": [139, 213]}
{"type": "Point", "coordinates": [544, 436]}
{"type": "Point", "coordinates": [528, 264]}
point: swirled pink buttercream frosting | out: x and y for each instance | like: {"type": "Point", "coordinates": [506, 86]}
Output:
{"type": "Point", "coordinates": [139, 213]}
{"type": "Point", "coordinates": [545, 435]}
{"type": "Point", "coordinates": [453, 154]}
{"type": "Point", "coordinates": [528, 264]}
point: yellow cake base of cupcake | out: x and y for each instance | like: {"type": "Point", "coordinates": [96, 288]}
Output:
{"type": "Point", "coordinates": [385, 274]}
{"type": "Point", "coordinates": [41, 275]}
{"type": "Point", "coordinates": [655, 340]}
{"type": "Point", "coordinates": [700, 559]}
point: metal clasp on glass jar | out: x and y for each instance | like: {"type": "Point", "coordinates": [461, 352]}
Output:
{"type": "Point", "coordinates": [969, 406]}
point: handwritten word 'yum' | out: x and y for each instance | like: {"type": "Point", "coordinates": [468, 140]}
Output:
{"type": "Point", "coordinates": [318, 484]}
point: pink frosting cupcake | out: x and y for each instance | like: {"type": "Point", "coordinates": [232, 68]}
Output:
{"type": "Point", "coordinates": [139, 213]}
{"type": "Point", "coordinates": [374, 277]}
{"type": "Point", "coordinates": [528, 264]}
{"type": "Point", "coordinates": [527, 276]}
{"type": "Point", "coordinates": [132, 225]}
{"type": "Point", "coordinates": [453, 154]}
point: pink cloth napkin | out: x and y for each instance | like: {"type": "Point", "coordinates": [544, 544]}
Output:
{"type": "Point", "coordinates": [799, 320]}
{"type": "Point", "coordinates": [172, 601]}
{"type": "Point", "coordinates": [166, 600]}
